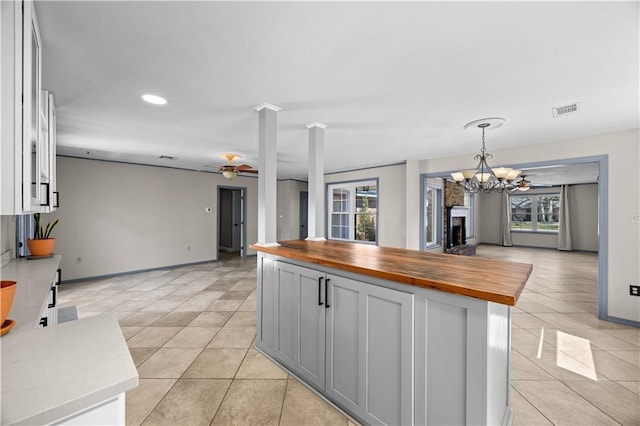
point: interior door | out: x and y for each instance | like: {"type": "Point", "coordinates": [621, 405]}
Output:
{"type": "Point", "coordinates": [236, 213]}
{"type": "Point", "coordinates": [304, 214]}
{"type": "Point", "coordinates": [232, 222]}
{"type": "Point", "coordinates": [225, 233]}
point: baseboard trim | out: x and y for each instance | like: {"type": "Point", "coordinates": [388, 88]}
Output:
{"type": "Point", "coordinates": [137, 271]}
{"type": "Point", "coordinates": [538, 247]}
{"type": "Point", "coordinates": [624, 321]}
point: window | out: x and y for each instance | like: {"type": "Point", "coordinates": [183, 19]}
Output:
{"type": "Point", "coordinates": [352, 209]}
{"type": "Point", "coordinates": [432, 215]}
{"type": "Point", "coordinates": [535, 212]}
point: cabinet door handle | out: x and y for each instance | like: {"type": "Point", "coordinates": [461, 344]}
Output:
{"type": "Point", "coordinates": [320, 291]}
{"type": "Point", "coordinates": [48, 203]}
{"type": "Point", "coordinates": [326, 293]}
{"type": "Point", "coordinates": [54, 297]}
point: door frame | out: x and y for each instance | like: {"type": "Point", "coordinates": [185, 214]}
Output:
{"type": "Point", "coordinates": [243, 218]}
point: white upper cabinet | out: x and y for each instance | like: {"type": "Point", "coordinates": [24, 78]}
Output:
{"type": "Point", "coordinates": [28, 132]}
{"type": "Point", "coordinates": [54, 201]}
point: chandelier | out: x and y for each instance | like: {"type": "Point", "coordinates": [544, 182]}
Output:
{"type": "Point", "coordinates": [483, 177]}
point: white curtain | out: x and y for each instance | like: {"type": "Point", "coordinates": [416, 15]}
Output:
{"type": "Point", "coordinates": [564, 222]}
{"type": "Point", "coordinates": [505, 221]}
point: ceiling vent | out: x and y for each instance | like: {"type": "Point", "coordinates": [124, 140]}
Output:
{"type": "Point", "coordinates": [566, 110]}
{"type": "Point", "coordinates": [165, 157]}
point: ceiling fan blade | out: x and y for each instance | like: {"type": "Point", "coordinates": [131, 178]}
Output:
{"type": "Point", "coordinates": [243, 167]}
{"type": "Point", "coordinates": [248, 171]}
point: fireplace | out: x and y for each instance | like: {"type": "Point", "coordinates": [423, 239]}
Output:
{"type": "Point", "coordinates": [458, 231]}
{"type": "Point", "coordinates": [455, 227]}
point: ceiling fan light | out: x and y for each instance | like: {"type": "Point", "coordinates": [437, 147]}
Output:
{"type": "Point", "coordinates": [523, 188]}
{"type": "Point", "coordinates": [229, 174]}
{"type": "Point", "coordinates": [457, 176]}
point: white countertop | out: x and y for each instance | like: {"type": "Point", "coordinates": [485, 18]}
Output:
{"type": "Point", "coordinates": [49, 373]}
{"type": "Point", "coordinates": [34, 279]}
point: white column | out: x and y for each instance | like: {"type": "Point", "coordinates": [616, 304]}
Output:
{"type": "Point", "coordinates": [316, 182]}
{"type": "Point", "coordinates": [413, 204]}
{"type": "Point", "coordinates": [267, 178]}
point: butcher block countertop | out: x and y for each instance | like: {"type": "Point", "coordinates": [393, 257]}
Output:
{"type": "Point", "coordinates": [487, 279]}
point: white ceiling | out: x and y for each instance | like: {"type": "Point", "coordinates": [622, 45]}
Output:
{"type": "Point", "coordinates": [393, 81]}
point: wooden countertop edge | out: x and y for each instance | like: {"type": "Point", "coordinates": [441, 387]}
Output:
{"type": "Point", "coordinates": [490, 296]}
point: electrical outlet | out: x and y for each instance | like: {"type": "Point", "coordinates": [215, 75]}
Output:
{"type": "Point", "coordinates": [634, 290]}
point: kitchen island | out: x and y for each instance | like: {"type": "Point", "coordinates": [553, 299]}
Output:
{"type": "Point", "coordinates": [391, 336]}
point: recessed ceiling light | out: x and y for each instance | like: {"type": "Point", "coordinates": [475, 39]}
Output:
{"type": "Point", "coordinates": [154, 99]}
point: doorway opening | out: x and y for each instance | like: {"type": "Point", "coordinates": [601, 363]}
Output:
{"type": "Point", "coordinates": [597, 198]}
{"type": "Point", "coordinates": [231, 239]}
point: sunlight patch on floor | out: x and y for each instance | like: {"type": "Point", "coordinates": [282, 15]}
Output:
{"type": "Point", "coordinates": [573, 353]}
{"type": "Point", "coordinates": [541, 342]}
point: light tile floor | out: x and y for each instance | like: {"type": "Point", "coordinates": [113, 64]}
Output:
{"type": "Point", "coordinates": [191, 331]}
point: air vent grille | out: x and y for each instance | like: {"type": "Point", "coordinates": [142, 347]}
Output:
{"type": "Point", "coordinates": [566, 110]}
{"type": "Point", "coordinates": [165, 157]}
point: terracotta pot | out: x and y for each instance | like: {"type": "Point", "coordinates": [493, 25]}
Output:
{"type": "Point", "coordinates": [41, 247]}
{"type": "Point", "coordinates": [7, 291]}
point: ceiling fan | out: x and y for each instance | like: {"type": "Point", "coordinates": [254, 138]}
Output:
{"type": "Point", "coordinates": [525, 184]}
{"type": "Point", "coordinates": [522, 185]}
{"type": "Point", "coordinates": [230, 170]}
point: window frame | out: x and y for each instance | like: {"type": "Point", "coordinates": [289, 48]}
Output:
{"type": "Point", "coordinates": [351, 185]}
{"type": "Point", "coordinates": [534, 212]}
{"type": "Point", "coordinates": [437, 213]}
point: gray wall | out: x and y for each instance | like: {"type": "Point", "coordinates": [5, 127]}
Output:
{"type": "Point", "coordinates": [583, 200]}
{"type": "Point", "coordinates": [7, 234]}
{"type": "Point", "coordinates": [120, 217]}
{"type": "Point", "coordinates": [288, 210]}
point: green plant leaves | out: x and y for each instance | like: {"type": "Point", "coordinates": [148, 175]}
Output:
{"type": "Point", "coordinates": [40, 233]}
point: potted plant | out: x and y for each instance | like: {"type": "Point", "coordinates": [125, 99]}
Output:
{"type": "Point", "coordinates": [42, 244]}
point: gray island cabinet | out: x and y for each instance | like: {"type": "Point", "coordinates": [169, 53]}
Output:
{"type": "Point", "coordinates": [385, 335]}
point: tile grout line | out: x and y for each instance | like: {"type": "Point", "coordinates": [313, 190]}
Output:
{"type": "Point", "coordinates": [234, 375]}
{"type": "Point", "coordinates": [530, 403]}
{"type": "Point", "coordinates": [284, 397]}
{"type": "Point", "coordinates": [589, 402]}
